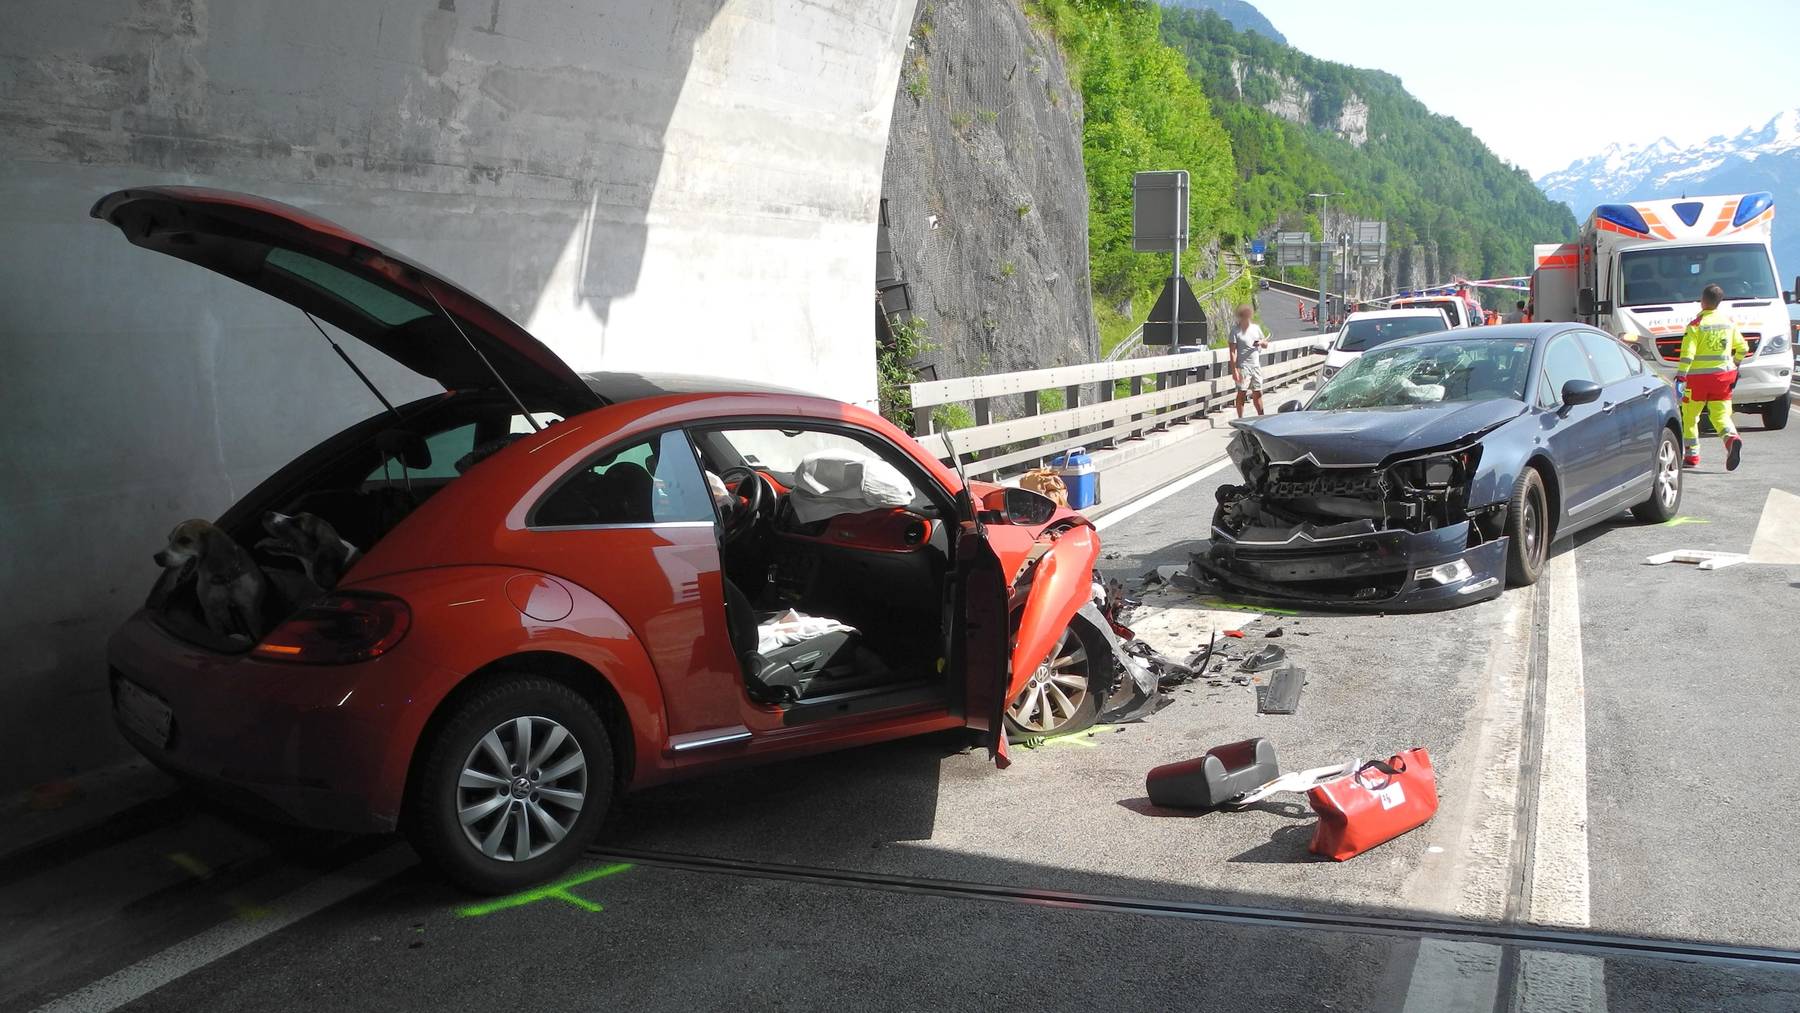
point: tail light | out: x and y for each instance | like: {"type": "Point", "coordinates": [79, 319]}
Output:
{"type": "Point", "coordinates": [339, 629]}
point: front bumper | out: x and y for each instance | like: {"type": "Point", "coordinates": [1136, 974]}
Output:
{"type": "Point", "coordinates": [1374, 570]}
{"type": "Point", "coordinates": [320, 746]}
{"type": "Point", "coordinates": [1763, 379]}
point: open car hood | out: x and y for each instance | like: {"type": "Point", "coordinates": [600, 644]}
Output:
{"type": "Point", "coordinates": [1367, 436]}
{"type": "Point", "coordinates": [374, 294]}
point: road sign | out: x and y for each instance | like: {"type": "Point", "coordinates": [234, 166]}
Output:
{"type": "Point", "coordinates": [1159, 211]}
{"type": "Point", "coordinates": [1176, 303]}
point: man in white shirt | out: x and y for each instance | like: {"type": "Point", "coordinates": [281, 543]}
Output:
{"type": "Point", "coordinates": [1246, 345]}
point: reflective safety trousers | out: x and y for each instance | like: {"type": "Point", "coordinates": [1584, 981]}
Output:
{"type": "Point", "coordinates": [1711, 344]}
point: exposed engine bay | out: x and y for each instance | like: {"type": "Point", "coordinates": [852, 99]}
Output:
{"type": "Point", "coordinates": [1416, 492]}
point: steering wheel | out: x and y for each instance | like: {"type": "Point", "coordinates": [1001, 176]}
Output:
{"type": "Point", "coordinates": [746, 501]}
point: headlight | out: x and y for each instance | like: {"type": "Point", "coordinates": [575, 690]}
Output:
{"type": "Point", "coordinates": [1772, 344]}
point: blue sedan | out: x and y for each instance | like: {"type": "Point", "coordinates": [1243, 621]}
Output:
{"type": "Point", "coordinates": [1435, 471]}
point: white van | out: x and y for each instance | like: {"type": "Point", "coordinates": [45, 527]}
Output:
{"type": "Point", "coordinates": [1363, 331]}
{"type": "Point", "coordinates": [1456, 309]}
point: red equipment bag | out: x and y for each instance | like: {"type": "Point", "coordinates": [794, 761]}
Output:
{"type": "Point", "coordinates": [1378, 803]}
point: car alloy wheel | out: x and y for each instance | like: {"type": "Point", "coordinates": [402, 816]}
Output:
{"type": "Point", "coordinates": [1668, 474]}
{"type": "Point", "coordinates": [1052, 700]}
{"type": "Point", "coordinates": [521, 789]}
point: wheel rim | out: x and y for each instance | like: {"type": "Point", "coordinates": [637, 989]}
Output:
{"type": "Point", "coordinates": [521, 789]}
{"type": "Point", "coordinates": [1668, 474]}
{"type": "Point", "coordinates": [1534, 526]}
{"type": "Point", "coordinates": [1057, 689]}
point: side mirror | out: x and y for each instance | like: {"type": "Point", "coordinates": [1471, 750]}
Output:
{"type": "Point", "coordinates": [1789, 297]}
{"type": "Point", "coordinates": [1323, 345]}
{"type": "Point", "coordinates": [1584, 302]}
{"type": "Point", "coordinates": [1291, 406]}
{"type": "Point", "coordinates": [1020, 506]}
{"type": "Point", "coordinates": [1578, 392]}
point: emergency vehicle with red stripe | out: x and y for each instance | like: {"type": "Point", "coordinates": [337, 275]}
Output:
{"type": "Point", "coordinates": [1636, 270]}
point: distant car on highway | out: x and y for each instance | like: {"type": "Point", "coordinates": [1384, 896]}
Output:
{"type": "Point", "coordinates": [1436, 470]}
{"type": "Point", "coordinates": [1365, 330]}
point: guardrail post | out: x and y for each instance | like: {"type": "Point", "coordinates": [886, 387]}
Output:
{"type": "Point", "coordinates": [921, 421]}
{"type": "Point", "coordinates": [984, 414]}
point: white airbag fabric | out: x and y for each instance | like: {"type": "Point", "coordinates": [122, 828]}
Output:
{"type": "Point", "coordinates": [832, 482]}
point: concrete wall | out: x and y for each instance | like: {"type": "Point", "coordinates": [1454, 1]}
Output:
{"type": "Point", "coordinates": [679, 184]}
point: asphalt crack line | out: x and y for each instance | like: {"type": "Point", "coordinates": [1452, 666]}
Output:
{"type": "Point", "coordinates": [131, 983]}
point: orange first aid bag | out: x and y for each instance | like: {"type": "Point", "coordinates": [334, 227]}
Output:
{"type": "Point", "coordinates": [1380, 801]}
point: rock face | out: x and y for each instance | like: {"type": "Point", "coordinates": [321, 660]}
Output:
{"type": "Point", "coordinates": [987, 199]}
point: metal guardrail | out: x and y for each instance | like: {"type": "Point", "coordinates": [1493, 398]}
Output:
{"type": "Point", "coordinates": [1165, 390]}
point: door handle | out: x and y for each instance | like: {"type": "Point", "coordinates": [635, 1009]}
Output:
{"type": "Point", "coordinates": [1607, 407]}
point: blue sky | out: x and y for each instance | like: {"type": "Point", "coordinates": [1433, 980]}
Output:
{"type": "Point", "coordinates": [1547, 81]}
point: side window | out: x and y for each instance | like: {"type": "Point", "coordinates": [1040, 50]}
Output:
{"type": "Point", "coordinates": [1563, 361]}
{"type": "Point", "coordinates": [652, 481]}
{"type": "Point", "coordinates": [826, 472]}
{"type": "Point", "coordinates": [1608, 356]}
{"type": "Point", "coordinates": [450, 447]}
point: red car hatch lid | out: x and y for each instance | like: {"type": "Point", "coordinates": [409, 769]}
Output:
{"type": "Point", "coordinates": [379, 297]}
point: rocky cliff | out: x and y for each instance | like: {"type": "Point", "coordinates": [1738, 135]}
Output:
{"type": "Point", "coordinates": [987, 204]}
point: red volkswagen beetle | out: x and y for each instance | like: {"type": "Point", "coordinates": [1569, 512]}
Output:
{"type": "Point", "coordinates": [567, 586]}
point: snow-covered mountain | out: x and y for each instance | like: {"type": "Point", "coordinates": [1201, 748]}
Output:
{"type": "Point", "coordinates": [1759, 158]}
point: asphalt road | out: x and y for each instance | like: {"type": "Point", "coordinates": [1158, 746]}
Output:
{"type": "Point", "coordinates": [1613, 749]}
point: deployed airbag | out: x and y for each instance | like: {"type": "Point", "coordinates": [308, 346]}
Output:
{"type": "Point", "coordinates": [832, 482]}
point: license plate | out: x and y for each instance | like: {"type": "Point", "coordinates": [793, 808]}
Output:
{"type": "Point", "coordinates": [142, 713]}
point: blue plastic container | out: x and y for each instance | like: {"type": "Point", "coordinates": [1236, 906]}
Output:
{"type": "Point", "coordinates": [1076, 469]}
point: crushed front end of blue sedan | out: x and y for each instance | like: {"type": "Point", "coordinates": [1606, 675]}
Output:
{"type": "Point", "coordinates": [1333, 518]}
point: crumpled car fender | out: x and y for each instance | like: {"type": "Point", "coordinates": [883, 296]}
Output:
{"type": "Point", "coordinates": [1061, 584]}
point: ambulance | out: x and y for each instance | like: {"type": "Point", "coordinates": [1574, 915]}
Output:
{"type": "Point", "coordinates": [1637, 269]}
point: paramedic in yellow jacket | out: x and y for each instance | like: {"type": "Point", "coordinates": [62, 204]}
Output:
{"type": "Point", "coordinates": [1710, 352]}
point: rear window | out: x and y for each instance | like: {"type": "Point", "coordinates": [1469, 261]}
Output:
{"type": "Point", "coordinates": [1361, 335]}
{"type": "Point", "coordinates": [1453, 308]}
{"type": "Point", "coordinates": [371, 300]}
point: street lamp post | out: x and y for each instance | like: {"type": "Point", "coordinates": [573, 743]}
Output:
{"type": "Point", "coordinates": [1324, 253]}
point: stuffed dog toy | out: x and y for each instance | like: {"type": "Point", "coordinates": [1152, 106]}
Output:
{"type": "Point", "coordinates": [228, 583]}
{"type": "Point", "coordinates": [309, 538]}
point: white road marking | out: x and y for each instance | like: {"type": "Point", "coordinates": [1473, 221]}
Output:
{"type": "Point", "coordinates": [191, 954]}
{"type": "Point", "coordinates": [1559, 848]}
{"type": "Point", "coordinates": [1150, 499]}
{"type": "Point", "coordinates": [1454, 977]}
{"type": "Point", "coordinates": [1451, 975]}
{"type": "Point", "coordinates": [1551, 981]}
{"type": "Point", "coordinates": [1777, 538]}
{"type": "Point", "coordinates": [1479, 793]}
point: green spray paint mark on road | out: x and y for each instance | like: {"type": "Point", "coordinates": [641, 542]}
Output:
{"type": "Point", "coordinates": [1066, 739]}
{"type": "Point", "coordinates": [558, 890]}
{"type": "Point", "coordinates": [1679, 519]}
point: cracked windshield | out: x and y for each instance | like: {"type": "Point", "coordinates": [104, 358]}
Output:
{"type": "Point", "coordinates": [1218, 505]}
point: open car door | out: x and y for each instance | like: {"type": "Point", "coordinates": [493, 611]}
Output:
{"type": "Point", "coordinates": [978, 629]}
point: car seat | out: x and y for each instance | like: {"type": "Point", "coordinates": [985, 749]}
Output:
{"type": "Point", "coordinates": [829, 662]}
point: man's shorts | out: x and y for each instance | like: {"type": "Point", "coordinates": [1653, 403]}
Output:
{"type": "Point", "coordinates": [1710, 386]}
{"type": "Point", "coordinates": [1252, 378]}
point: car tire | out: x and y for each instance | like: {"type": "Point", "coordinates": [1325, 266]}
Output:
{"type": "Point", "coordinates": [559, 793]}
{"type": "Point", "coordinates": [1775, 413]}
{"type": "Point", "coordinates": [1063, 699]}
{"type": "Point", "coordinates": [1665, 490]}
{"type": "Point", "coordinates": [1527, 529]}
